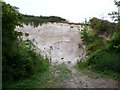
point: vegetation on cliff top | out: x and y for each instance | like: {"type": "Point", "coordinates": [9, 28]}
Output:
{"type": "Point", "coordinates": [39, 20]}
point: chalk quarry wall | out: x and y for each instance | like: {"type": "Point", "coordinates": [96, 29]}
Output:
{"type": "Point", "coordinates": [59, 42]}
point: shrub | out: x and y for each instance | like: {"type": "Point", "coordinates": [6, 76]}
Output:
{"type": "Point", "coordinates": [19, 60]}
{"type": "Point", "coordinates": [85, 34]}
{"type": "Point", "coordinates": [81, 65]}
{"type": "Point", "coordinates": [103, 60]}
{"type": "Point", "coordinates": [102, 27]}
{"type": "Point", "coordinates": [114, 43]}
{"type": "Point", "coordinates": [23, 63]}
{"type": "Point", "coordinates": [95, 44]}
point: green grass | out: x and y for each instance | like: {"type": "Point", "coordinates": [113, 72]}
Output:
{"type": "Point", "coordinates": [59, 73]}
{"type": "Point", "coordinates": [63, 69]}
{"type": "Point", "coordinates": [46, 79]}
{"type": "Point", "coordinates": [108, 74]}
{"type": "Point", "coordinates": [32, 82]}
{"type": "Point", "coordinates": [81, 65]}
{"type": "Point", "coordinates": [93, 73]}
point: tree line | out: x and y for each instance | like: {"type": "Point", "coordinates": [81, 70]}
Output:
{"type": "Point", "coordinates": [39, 20]}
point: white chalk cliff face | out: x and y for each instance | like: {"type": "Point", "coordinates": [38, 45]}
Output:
{"type": "Point", "coordinates": [58, 41]}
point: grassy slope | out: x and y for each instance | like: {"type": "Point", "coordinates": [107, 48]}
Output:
{"type": "Point", "coordinates": [47, 79]}
{"type": "Point", "coordinates": [87, 70]}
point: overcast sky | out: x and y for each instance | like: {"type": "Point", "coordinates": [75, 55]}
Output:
{"type": "Point", "coordinates": [72, 10]}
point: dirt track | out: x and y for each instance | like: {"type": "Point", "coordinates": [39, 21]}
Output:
{"type": "Point", "coordinates": [80, 80]}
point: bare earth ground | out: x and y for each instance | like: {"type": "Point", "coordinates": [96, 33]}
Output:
{"type": "Point", "coordinates": [61, 43]}
{"type": "Point", "coordinates": [79, 80]}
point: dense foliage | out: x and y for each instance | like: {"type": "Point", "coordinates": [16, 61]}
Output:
{"type": "Point", "coordinates": [102, 27]}
{"type": "Point", "coordinates": [39, 20]}
{"type": "Point", "coordinates": [114, 43]}
{"type": "Point", "coordinates": [18, 60]}
{"type": "Point", "coordinates": [103, 55]}
{"type": "Point", "coordinates": [103, 60]}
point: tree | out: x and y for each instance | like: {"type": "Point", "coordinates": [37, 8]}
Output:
{"type": "Point", "coordinates": [19, 60]}
{"type": "Point", "coordinates": [115, 15]}
{"type": "Point", "coordinates": [10, 19]}
{"type": "Point", "coordinates": [85, 34]}
{"type": "Point", "coordinates": [102, 27]}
